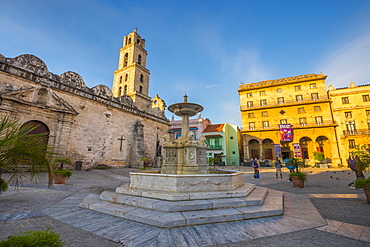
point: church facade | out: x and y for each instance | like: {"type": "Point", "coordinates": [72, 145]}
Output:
{"type": "Point", "coordinates": [96, 125]}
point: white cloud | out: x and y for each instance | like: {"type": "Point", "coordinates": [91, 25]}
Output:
{"type": "Point", "coordinates": [350, 62]}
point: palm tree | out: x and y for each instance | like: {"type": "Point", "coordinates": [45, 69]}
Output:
{"type": "Point", "coordinates": [21, 151]}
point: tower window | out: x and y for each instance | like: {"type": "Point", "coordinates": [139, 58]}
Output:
{"type": "Point", "coordinates": [120, 79]}
{"type": "Point", "coordinates": [125, 90]}
{"type": "Point", "coordinates": [125, 61]}
{"type": "Point", "coordinates": [141, 89]}
{"type": "Point", "coordinates": [129, 40]}
{"type": "Point", "coordinates": [139, 59]}
{"type": "Point", "coordinates": [141, 78]}
{"type": "Point", "coordinates": [126, 77]}
{"type": "Point", "coordinates": [119, 91]}
{"type": "Point", "coordinates": [138, 41]}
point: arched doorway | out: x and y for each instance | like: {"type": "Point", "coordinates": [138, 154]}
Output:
{"type": "Point", "coordinates": [267, 147]}
{"type": "Point", "coordinates": [304, 143]}
{"type": "Point", "coordinates": [285, 150]}
{"type": "Point", "coordinates": [254, 146]}
{"type": "Point", "coordinates": [38, 128]}
{"type": "Point", "coordinates": [323, 146]}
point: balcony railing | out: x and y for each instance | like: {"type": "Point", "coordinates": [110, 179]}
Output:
{"type": "Point", "coordinates": [214, 147]}
{"type": "Point", "coordinates": [356, 132]}
{"type": "Point", "coordinates": [275, 103]}
{"type": "Point", "coordinates": [298, 125]}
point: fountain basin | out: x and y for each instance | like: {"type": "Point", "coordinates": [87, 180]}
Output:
{"type": "Point", "coordinates": [220, 180]}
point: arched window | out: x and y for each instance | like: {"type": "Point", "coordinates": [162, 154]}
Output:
{"type": "Point", "coordinates": [141, 78]}
{"type": "Point", "coordinates": [129, 40]}
{"type": "Point", "coordinates": [126, 77]}
{"type": "Point", "coordinates": [125, 61]}
{"type": "Point", "coordinates": [138, 41]}
{"type": "Point", "coordinates": [125, 90]}
{"type": "Point", "coordinates": [141, 89]}
{"type": "Point", "coordinates": [139, 59]}
{"type": "Point", "coordinates": [120, 79]}
{"type": "Point", "coordinates": [119, 91]}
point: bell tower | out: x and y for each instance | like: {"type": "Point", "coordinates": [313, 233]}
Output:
{"type": "Point", "coordinates": [132, 77]}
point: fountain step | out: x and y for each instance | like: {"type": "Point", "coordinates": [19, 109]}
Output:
{"type": "Point", "coordinates": [256, 197]}
{"type": "Point", "coordinates": [242, 191]}
{"type": "Point", "coordinates": [272, 206]}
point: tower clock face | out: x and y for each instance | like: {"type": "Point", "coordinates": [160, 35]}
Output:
{"type": "Point", "coordinates": [279, 90]}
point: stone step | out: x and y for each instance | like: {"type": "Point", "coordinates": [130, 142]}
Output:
{"type": "Point", "coordinates": [242, 191]}
{"type": "Point", "coordinates": [256, 197]}
{"type": "Point", "coordinates": [272, 206]}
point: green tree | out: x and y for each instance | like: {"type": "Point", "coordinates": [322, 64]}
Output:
{"type": "Point", "coordinates": [21, 151]}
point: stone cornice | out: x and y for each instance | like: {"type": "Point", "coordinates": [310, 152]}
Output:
{"type": "Point", "coordinates": [53, 81]}
{"type": "Point", "coordinates": [283, 81]}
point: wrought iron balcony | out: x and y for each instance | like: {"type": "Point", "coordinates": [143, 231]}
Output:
{"type": "Point", "coordinates": [214, 147]}
{"type": "Point", "coordinates": [276, 103]}
{"type": "Point", "coordinates": [356, 132]}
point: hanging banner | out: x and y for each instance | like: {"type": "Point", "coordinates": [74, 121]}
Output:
{"type": "Point", "coordinates": [278, 151]}
{"type": "Point", "coordinates": [286, 134]}
{"type": "Point", "coordinates": [297, 150]}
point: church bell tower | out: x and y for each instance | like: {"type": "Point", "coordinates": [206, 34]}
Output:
{"type": "Point", "coordinates": [132, 77]}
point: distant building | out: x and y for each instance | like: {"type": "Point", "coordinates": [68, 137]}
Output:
{"type": "Point", "coordinates": [223, 142]}
{"type": "Point", "coordinates": [351, 110]}
{"type": "Point", "coordinates": [196, 125]}
{"type": "Point", "coordinates": [288, 117]}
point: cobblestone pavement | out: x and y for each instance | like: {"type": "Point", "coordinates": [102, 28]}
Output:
{"type": "Point", "coordinates": [327, 189]}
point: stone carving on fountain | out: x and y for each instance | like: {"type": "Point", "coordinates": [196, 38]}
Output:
{"type": "Point", "coordinates": [184, 192]}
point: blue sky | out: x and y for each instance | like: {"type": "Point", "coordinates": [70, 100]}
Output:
{"type": "Point", "coordinates": [204, 48]}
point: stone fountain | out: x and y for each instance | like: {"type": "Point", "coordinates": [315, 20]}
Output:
{"type": "Point", "coordinates": [184, 192]}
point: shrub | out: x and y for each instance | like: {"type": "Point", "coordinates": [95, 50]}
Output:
{"type": "Point", "coordinates": [3, 185]}
{"type": "Point", "coordinates": [34, 239]}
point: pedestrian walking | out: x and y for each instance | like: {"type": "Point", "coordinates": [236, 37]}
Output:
{"type": "Point", "coordinates": [278, 168]}
{"type": "Point", "coordinates": [255, 165]}
{"type": "Point", "coordinates": [351, 161]}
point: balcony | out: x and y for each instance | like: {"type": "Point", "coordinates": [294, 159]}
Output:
{"type": "Point", "coordinates": [286, 102]}
{"type": "Point", "coordinates": [295, 126]}
{"type": "Point", "coordinates": [356, 132]}
{"type": "Point", "coordinates": [214, 147]}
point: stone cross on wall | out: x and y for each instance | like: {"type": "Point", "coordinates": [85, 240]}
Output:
{"type": "Point", "coordinates": [121, 140]}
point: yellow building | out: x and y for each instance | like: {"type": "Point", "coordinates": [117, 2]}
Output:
{"type": "Point", "coordinates": [351, 110]}
{"type": "Point", "coordinates": [269, 108]}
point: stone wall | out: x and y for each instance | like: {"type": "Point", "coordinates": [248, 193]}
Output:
{"type": "Point", "coordinates": [86, 124]}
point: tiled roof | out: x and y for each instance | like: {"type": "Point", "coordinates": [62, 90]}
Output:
{"type": "Point", "coordinates": [214, 128]}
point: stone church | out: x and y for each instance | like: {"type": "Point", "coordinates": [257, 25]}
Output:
{"type": "Point", "coordinates": [95, 125]}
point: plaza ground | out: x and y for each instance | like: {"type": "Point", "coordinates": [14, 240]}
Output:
{"type": "Point", "coordinates": [35, 206]}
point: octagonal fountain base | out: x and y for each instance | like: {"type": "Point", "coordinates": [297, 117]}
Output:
{"type": "Point", "coordinates": [167, 201]}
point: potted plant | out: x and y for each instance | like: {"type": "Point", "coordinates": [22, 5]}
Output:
{"type": "Point", "coordinates": [61, 174]}
{"type": "Point", "coordinates": [365, 184]}
{"type": "Point", "coordinates": [319, 157]}
{"type": "Point", "coordinates": [297, 177]}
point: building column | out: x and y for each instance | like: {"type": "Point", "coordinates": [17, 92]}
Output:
{"type": "Point", "coordinates": [335, 158]}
